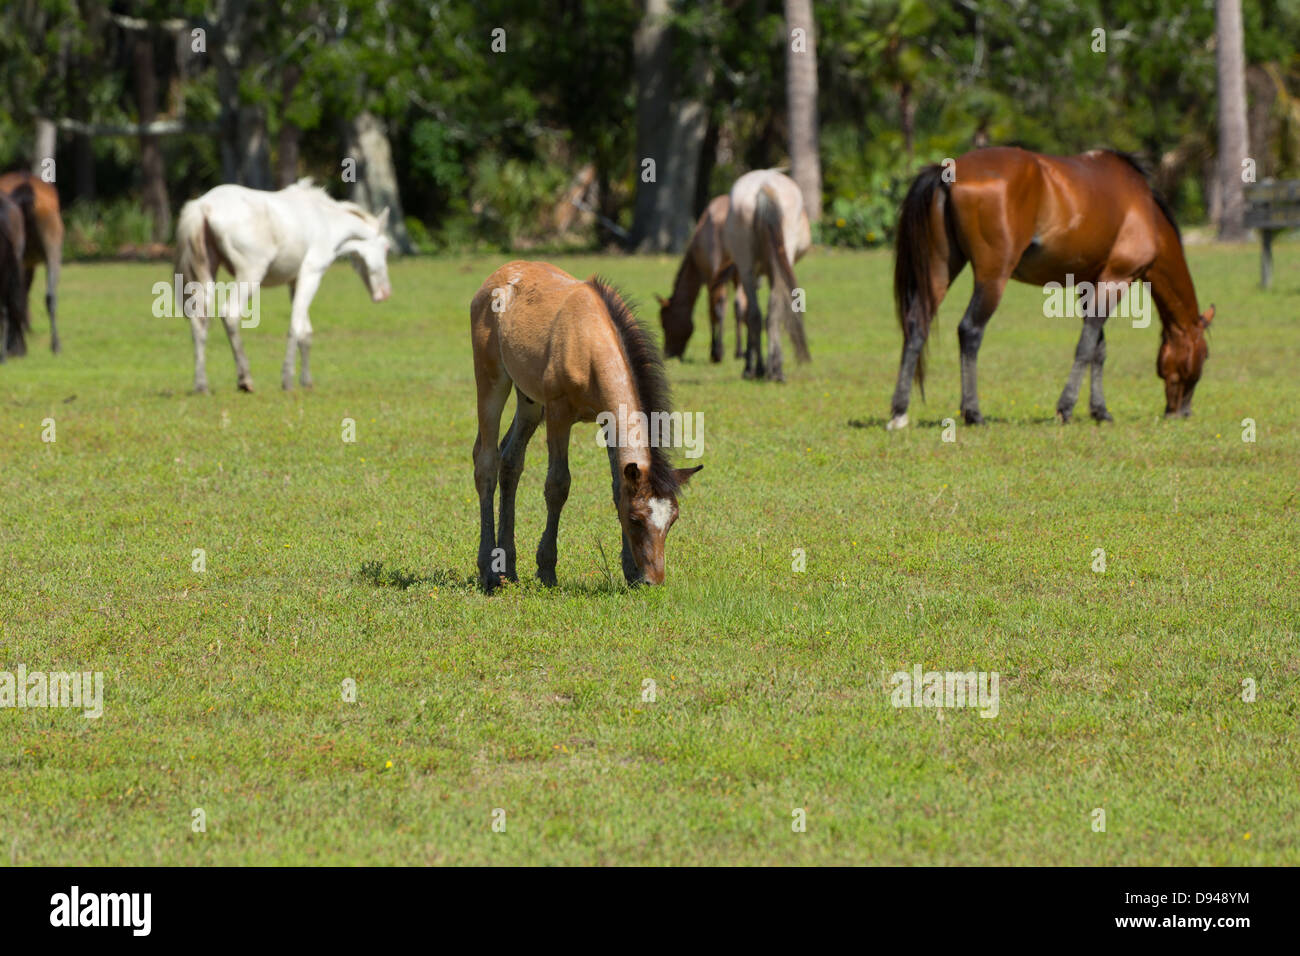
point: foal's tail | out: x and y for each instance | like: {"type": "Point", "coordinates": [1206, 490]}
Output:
{"type": "Point", "coordinates": [767, 216]}
{"type": "Point", "coordinates": [913, 254]}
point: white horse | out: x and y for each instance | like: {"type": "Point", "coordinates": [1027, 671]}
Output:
{"type": "Point", "coordinates": [765, 224]}
{"type": "Point", "coordinates": [266, 239]}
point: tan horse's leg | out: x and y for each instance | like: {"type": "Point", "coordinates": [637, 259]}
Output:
{"type": "Point", "coordinates": [558, 426]}
{"type": "Point", "coordinates": [493, 391]}
{"type": "Point", "coordinates": [53, 265]}
{"type": "Point", "coordinates": [718, 295]}
{"type": "Point", "coordinates": [528, 415]}
{"type": "Point", "coordinates": [741, 310]}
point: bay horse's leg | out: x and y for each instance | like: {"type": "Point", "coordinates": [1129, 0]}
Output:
{"type": "Point", "coordinates": [1083, 357]}
{"type": "Point", "coordinates": [631, 573]}
{"type": "Point", "coordinates": [528, 415]}
{"type": "Point", "coordinates": [945, 264]}
{"type": "Point", "coordinates": [53, 265]}
{"type": "Point", "coordinates": [1097, 401]}
{"type": "Point", "coordinates": [1090, 353]}
{"type": "Point", "coordinates": [970, 333]}
{"type": "Point", "coordinates": [493, 390]}
{"type": "Point", "coordinates": [557, 493]}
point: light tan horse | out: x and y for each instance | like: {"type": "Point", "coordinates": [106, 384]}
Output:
{"type": "Point", "coordinates": [44, 228]}
{"type": "Point", "coordinates": [572, 350]}
{"type": "Point", "coordinates": [766, 223]}
{"type": "Point", "coordinates": [706, 264]}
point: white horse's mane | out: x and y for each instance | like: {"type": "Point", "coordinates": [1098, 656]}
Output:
{"type": "Point", "coordinates": [308, 186]}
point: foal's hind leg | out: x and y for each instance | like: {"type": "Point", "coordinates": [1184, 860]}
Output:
{"type": "Point", "coordinates": [558, 425]}
{"type": "Point", "coordinates": [493, 390]}
{"type": "Point", "coordinates": [528, 415]}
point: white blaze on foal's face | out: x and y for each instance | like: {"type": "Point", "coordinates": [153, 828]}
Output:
{"type": "Point", "coordinates": [661, 512]}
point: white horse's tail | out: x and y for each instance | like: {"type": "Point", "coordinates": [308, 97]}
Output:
{"type": "Point", "coordinates": [767, 217]}
{"type": "Point", "coordinates": [191, 244]}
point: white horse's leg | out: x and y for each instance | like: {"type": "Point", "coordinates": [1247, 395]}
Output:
{"type": "Point", "coordinates": [231, 317]}
{"type": "Point", "coordinates": [199, 332]}
{"type": "Point", "coordinates": [304, 290]}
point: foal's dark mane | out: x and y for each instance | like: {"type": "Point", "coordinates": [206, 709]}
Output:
{"type": "Point", "coordinates": [648, 375]}
{"type": "Point", "coordinates": [1145, 173]}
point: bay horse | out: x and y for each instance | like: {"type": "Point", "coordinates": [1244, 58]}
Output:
{"type": "Point", "coordinates": [1039, 219]}
{"type": "Point", "coordinates": [13, 295]}
{"type": "Point", "coordinates": [572, 351]}
{"type": "Point", "coordinates": [43, 225]}
{"type": "Point", "coordinates": [766, 231]}
{"type": "Point", "coordinates": [267, 239]}
{"type": "Point", "coordinates": [707, 264]}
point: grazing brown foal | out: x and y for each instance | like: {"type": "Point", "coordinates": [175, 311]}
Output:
{"type": "Point", "coordinates": [572, 350]}
{"type": "Point", "coordinates": [44, 228]}
{"type": "Point", "coordinates": [707, 264]}
{"type": "Point", "coordinates": [1019, 215]}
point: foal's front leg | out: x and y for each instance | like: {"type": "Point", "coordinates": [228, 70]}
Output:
{"type": "Point", "coordinates": [557, 493]}
{"type": "Point", "coordinates": [301, 291]}
{"type": "Point", "coordinates": [631, 573]}
{"type": "Point", "coordinates": [528, 415]}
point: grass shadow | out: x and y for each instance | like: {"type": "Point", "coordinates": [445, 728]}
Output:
{"type": "Point", "coordinates": [377, 574]}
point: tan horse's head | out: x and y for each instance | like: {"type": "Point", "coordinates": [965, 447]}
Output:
{"type": "Point", "coordinates": [678, 326]}
{"type": "Point", "coordinates": [1182, 355]}
{"type": "Point", "coordinates": [646, 513]}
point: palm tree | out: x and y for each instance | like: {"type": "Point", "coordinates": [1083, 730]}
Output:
{"type": "Point", "coordinates": [801, 104]}
{"type": "Point", "coordinates": [1234, 139]}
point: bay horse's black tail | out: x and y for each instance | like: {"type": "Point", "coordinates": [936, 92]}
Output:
{"type": "Point", "coordinates": [913, 255]}
{"type": "Point", "coordinates": [13, 290]}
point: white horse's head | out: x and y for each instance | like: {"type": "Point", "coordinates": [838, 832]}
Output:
{"type": "Point", "coordinates": [369, 257]}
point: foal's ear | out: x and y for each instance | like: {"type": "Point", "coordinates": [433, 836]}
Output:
{"type": "Point", "coordinates": [684, 474]}
{"type": "Point", "coordinates": [631, 472]}
{"type": "Point", "coordinates": [1207, 317]}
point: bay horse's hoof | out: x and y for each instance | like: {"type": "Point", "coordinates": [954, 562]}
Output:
{"type": "Point", "coordinates": [1101, 415]}
{"type": "Point", "coordinates": [246, 386]}
{"type": "Point", "coordinates": [897, 423]}
{"type": "Point", "coordinates": [1063, 416]}
{"type": "Point", "coordinates": [972, 418]}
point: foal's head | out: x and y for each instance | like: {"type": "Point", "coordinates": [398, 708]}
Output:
{"type": "Point", "coordinates": [647, 508]}
{"type": "Point", "coordinates": [369, 256]}
{"type": "Point", "coordinates": [1183, 351]}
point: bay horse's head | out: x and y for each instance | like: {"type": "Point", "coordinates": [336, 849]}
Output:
{"type": "Point", "coordinates": [369, 255]}
{"type": "Point", "coordinates": [647, 508]}
{"type": "Point", "coordinates": [1183, 351]}
{"type": "Point", "coordinates": [678, 326]}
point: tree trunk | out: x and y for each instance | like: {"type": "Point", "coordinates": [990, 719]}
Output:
{"type": "Point", "coordinates": [1234, 141]}
{"type": "Point", "coordinates": [287, 151]}
{"type": "Point", "coordinates": [670, 134]}
{"type": "Point", "coordinates": [907, 111]}
{"type": "Point", "coordinates": [801, 104]}
{"type": "Point", "coordinates": [153, 178]}
{"type": "Point", "coordinates": [47, 137]}
{"type": "Point", "coordinates": [376, 179]}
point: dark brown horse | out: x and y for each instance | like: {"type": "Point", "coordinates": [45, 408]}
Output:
{"type": "Point", "coordinates": [44, 228]}
{"type": "Point", "coordinates": [1042, 219]}
{"type": "Point", "coordinates": [707, 264]}
{"type": "Point", "coordinates": [13, 297]}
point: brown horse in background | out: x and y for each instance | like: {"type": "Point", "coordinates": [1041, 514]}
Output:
{"type": "Point", "coordinates": [1035, 218]}
{"type": "Point", "coordinates": [706, 264]}
{"type": "Point", "coordinates": [572, 351]}
{"type": "Point", "coordinates": [13, 297]}
{"type": "Point", "coordinates": [44, 228]}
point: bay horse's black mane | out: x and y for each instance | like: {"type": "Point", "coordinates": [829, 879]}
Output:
{"type": "Point", "coordinates": [648, 375]}
{"type": "Point", "coordinates": [1145, 173]}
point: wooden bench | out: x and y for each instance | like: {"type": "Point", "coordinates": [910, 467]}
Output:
{"type": "Point", "coordinates": [1271, 206]}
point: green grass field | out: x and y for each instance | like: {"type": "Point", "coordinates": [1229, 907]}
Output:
{"type": "Point", "coordinates": [328, 561]}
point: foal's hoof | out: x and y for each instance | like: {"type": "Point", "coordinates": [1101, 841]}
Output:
{"type": "Point", "coordinates": [246, 386]}
{"type": "Point", "coordinates": [897, 423]}
{"type": "Point", "coordinates": [972, 418]}
{"type": "Point", "coordinates": [1101, 415]}
{"type": "Point", "coordinates": [1063, 415]}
